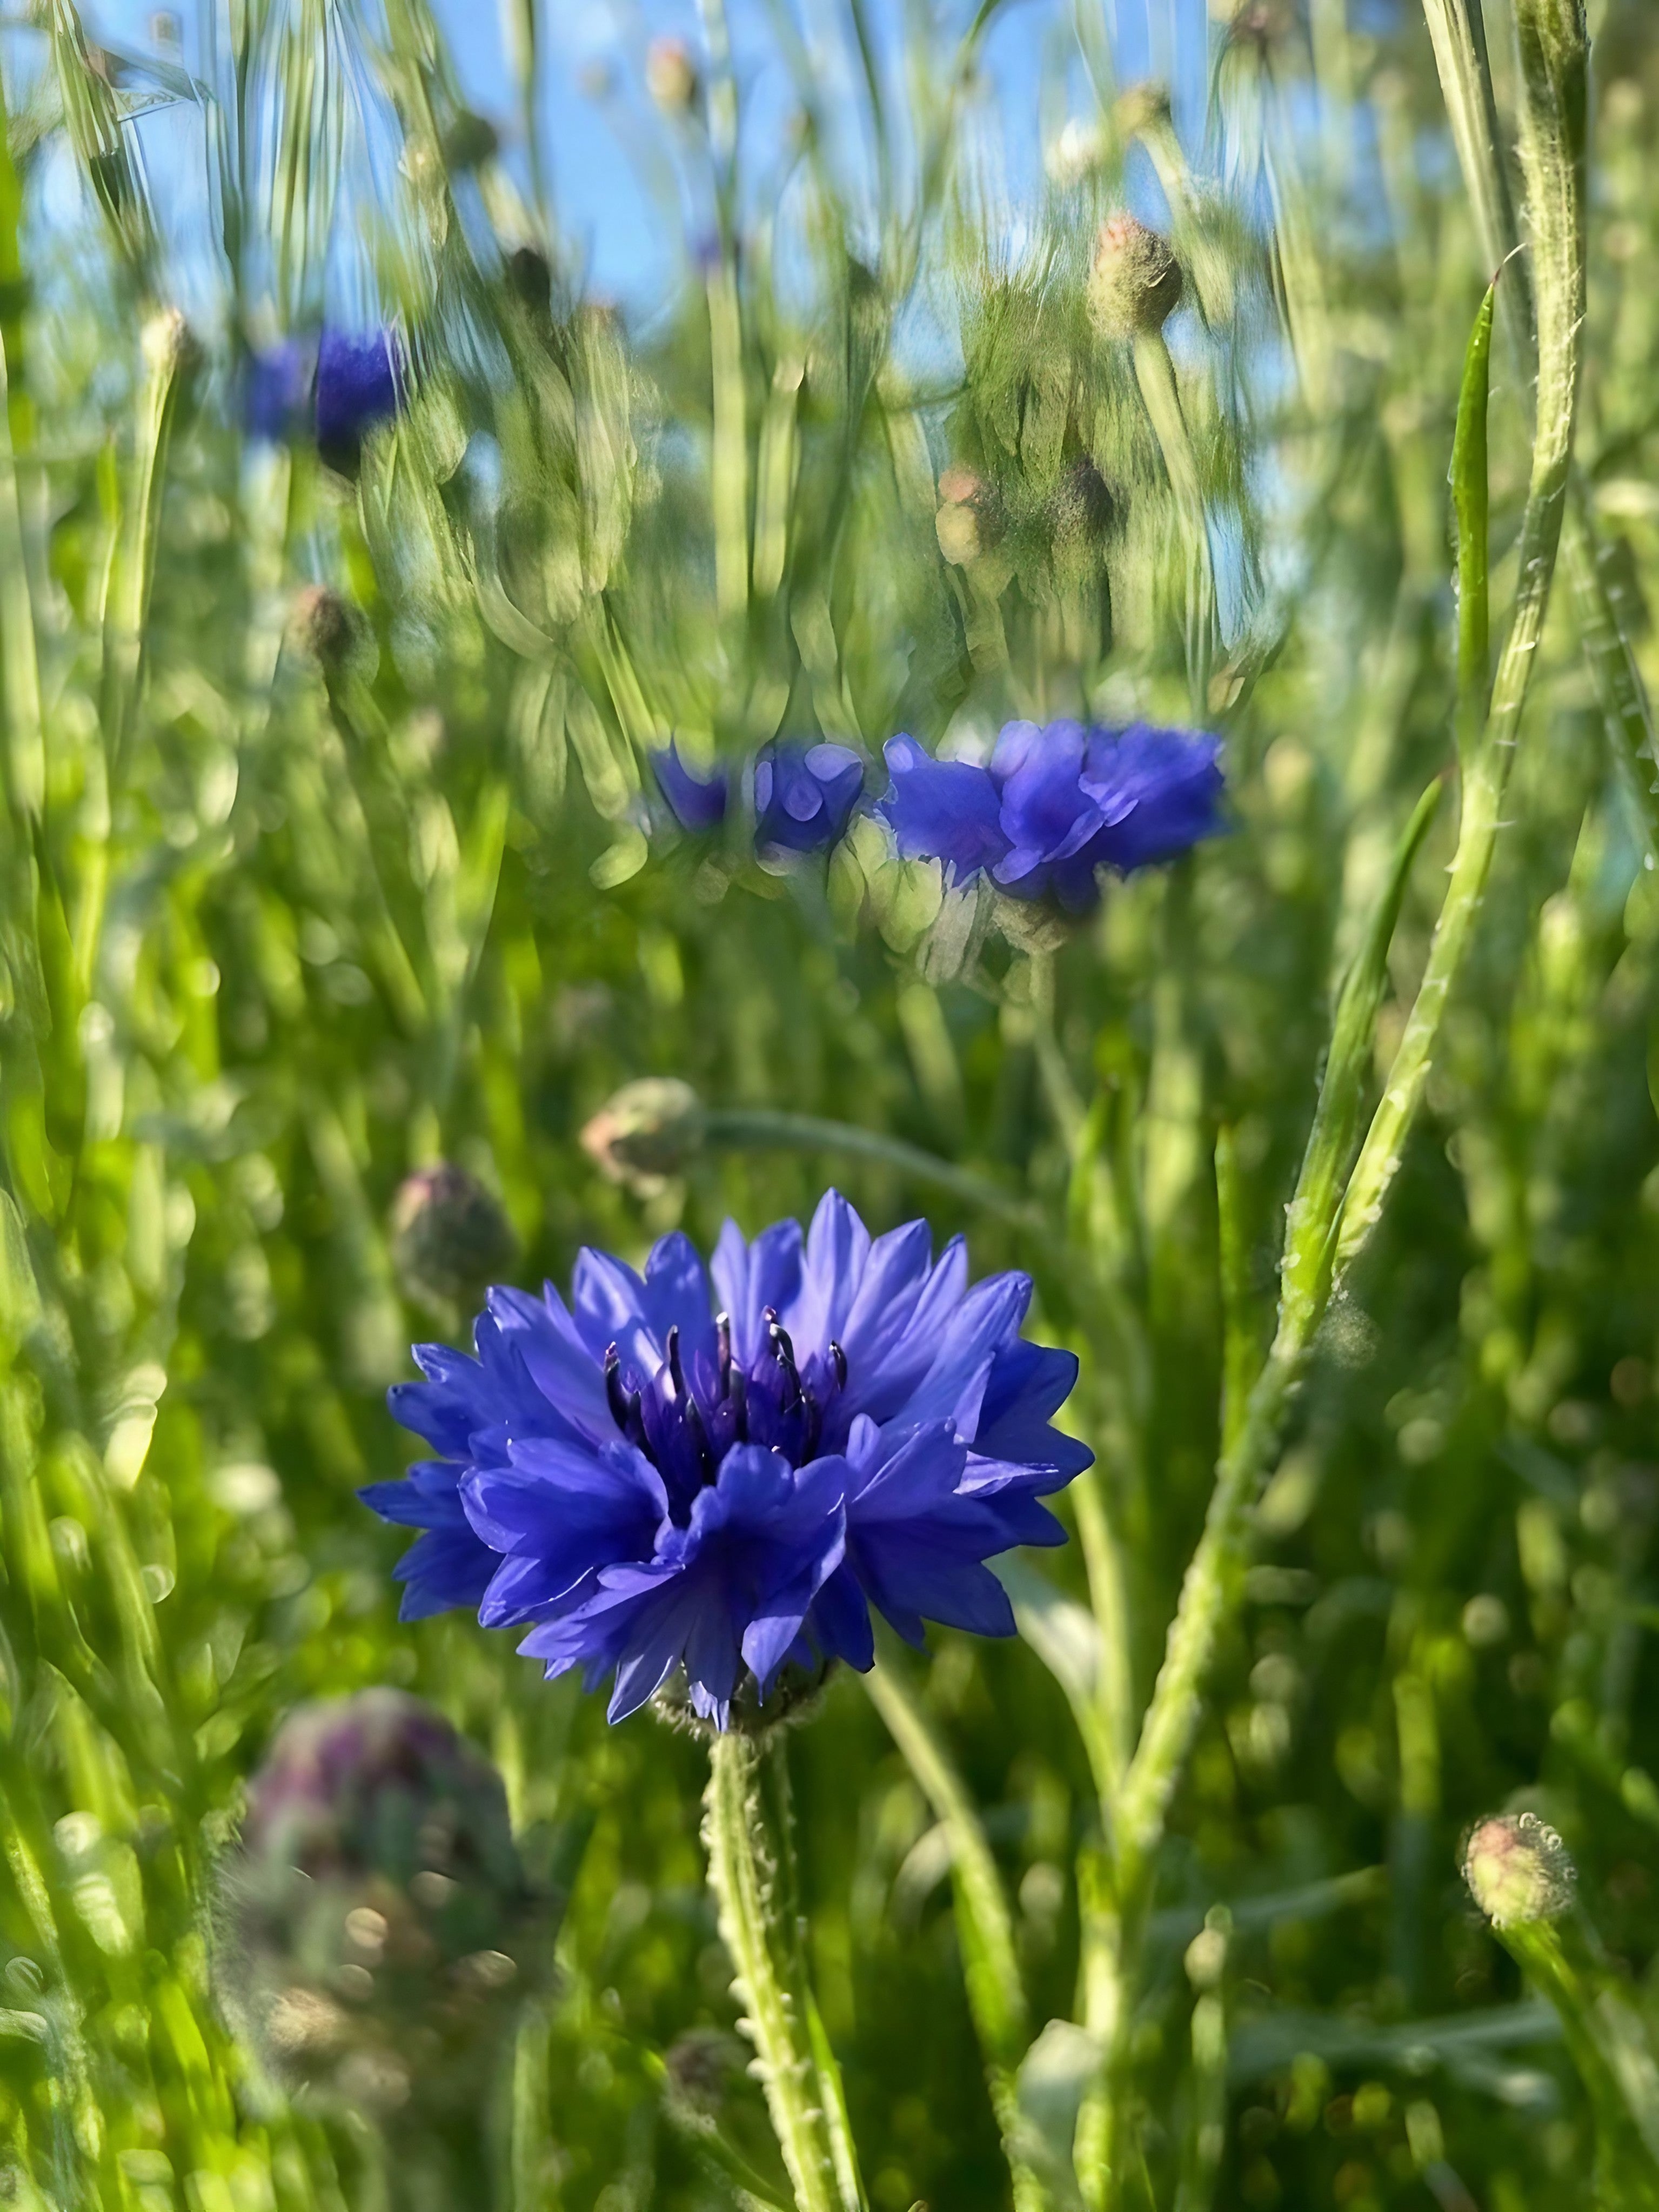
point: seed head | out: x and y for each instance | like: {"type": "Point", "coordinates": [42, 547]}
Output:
{"type": "Point", "coordinates": [1135, 285]}
{"type": "Point", "coordinates": [646, 1134]}
{"type": "Point", "coordinates": [1518, 1870]}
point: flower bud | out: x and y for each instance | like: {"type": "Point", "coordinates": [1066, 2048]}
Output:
{"type": "Point", "coordinates": [450, 1239]}
{"type": "Point", "coordinates": [701, 2067]}
{"type": "Point", "coordinates": [645, 1132]}
{"type": "Point", "coordinates": [470, 141]}
{"type": "Point", "coordinates": [1135, 285]}
{"type": "Point", "coordinates": [670, 76]}
{"type": "Point", "coordinates": [1079, 508]}
{"type": "Point", "coordinates": [970, 518]}
{"type": "Point", "coordinates": [1141, 108]}
{"type": "Point", "coordinates": [1518, 1870]}
{"type": "Point", "coordinates": [170, 345]}
{"type": "Point", "coordinates": [376, 1925]}
{"type": "Point", "coordinates": [326, 625]}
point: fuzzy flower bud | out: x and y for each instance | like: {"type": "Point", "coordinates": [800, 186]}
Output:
{"type": "Point", "coordinates": [1135, 284]}
{"type": "Point", "coordinates": [449, 1235]}
{"type": "Point", "coordinates": [645, 1132]}
{"type": "Point", "coordinates": [374, 1921]}
{"type": "Point", "coordinates": [1518, 1870]}
{"type": "Point", "coordinates": [670, 76]}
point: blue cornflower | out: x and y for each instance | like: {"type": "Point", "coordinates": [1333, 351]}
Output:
{"type": "Point", "coordinates": [278, 387]}
{"type": "Point", "coordinates": [361, 381]}
{"type": "Point", "coordinates": [805, 795]}
{"type": "Point", "coordinates": [672, 1472]}
{"type": "Point", "coordinates": [1057, 803]}
{"type": "Point", "coordinates": [697, 802]}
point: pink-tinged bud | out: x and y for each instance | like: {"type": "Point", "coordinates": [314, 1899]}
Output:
{"type": "Point", "coordinates": [670, 76]}
{"type": "Point", "coordinates": [1135, 285]}
{"type": "Point", "coordinates": [1518, 1869]}
{"type": "Point", "coordinates": [646, 1134]}
{"type": "Point", "coordinates": [969, 520]}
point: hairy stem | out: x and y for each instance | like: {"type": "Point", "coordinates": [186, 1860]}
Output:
{"type": "Point", "coordinates": [746, 1865]}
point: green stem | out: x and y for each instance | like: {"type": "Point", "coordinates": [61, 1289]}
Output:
{"type": "Point", "coordinates": [1610, 2050]}
{"type": "Point", "coordinates": [741, 1125]}
{"type": "Point", "coordinates": [996, 1996]}
{"type": "Point", "coordinates": [747, 1866]}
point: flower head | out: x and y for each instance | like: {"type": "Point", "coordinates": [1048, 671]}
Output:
{"type": "Point", "coordinates": [1056, 804]}
{"type": "Point", "coordinates": [361, 381]}
{"type": "Point", "coordinates": [805, 795]}
{"type": "Point", "coordinates": [697, 802]}
{"type": "Point", "coordinates": [1135, 284]}
{"type": "Point", "coordinates": [723, 1469]}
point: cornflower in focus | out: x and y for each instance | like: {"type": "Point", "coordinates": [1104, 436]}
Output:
{"type": "Point", "coordinates": [722, 1469]}
{"type": "Point", "coordinates": [1056, 804]}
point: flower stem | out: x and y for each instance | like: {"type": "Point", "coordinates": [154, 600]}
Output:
{"type": "Point", "coordinates": [739, 1126]}
{"type": "Point", "coordinates": [747, 1868]}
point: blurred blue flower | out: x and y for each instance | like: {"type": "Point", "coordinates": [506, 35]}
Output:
{"type": "Point", "coordinates": [278, 387]}
{"type": "Point", "coordinates": [669, 1472]}
{"type": "Point", "coordinates": [805, 795]}
{"type": "Point", "coordinates": [1057, 803]}
{"type": "Point", "coordinates": [361, 381]}
{"type": "Point", "coordinates": [697, 802]}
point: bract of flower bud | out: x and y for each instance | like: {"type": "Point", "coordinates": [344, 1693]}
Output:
{"type": "Point", "coordinates": [645, 1132]}
{"type": "Point", "coordinates": [1518, 1869]}
{"type": "Point", "coordinates": [374, 1926]}
{"type": "Point", "coordinates": [671, 74]}
{"type": "Point", "coordinates": [470, 141]}
{"type": "Point", "coordinates": [1135, 285]}
{"type": "Point", "coordinates": [449, 1235]}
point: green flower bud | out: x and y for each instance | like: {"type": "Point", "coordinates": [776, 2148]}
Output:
{"type": "Point", "coordinates": [970, 519]}
{"type": "Point", "coordinates": [646, 1134]}
{"type": "Point", "coordinates": [1135, 285]}
{"type": "Point", "coordinates": [450, 1239]}
{"type": "Point", "coordinates": [376, 1927]}
{"type": "Point", "coordinates": [1518, 1870]}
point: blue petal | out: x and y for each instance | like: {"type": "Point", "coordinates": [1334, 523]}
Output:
{"type": "Point", "coordinates": [1159, 791]}
{"type": "Point", "coordinates": [837, 1247]}
{"type": "Point", "coordinates": [360, 382]}
{"type": "Point", "coordinates": [987, 1318]}
{"type": "Point", "coordinates": [749, 1277]}
{"type": "Point", "coordinates": [677, 1293]}
{"type": "Point", "coordinates": [698, 803]}
{"type": "Point", "coordinates": [947, 811]}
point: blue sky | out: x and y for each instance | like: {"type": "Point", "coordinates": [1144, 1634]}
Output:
{"type": "Point", "coordinates": [602, 142]}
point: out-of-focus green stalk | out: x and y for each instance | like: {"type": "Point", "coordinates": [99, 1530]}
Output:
{"type": "Point", "coordinates": [1457, 30]}
{"type": "Point", "coordinates": [1553, 49]}
{"type": "Point", "coordinates": [996, 1996]}
{"type": "Point", "coordinates": [744, 1867]}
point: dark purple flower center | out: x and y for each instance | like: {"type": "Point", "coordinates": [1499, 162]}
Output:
{"type": "Point", "coordinates": [686, 1416]}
